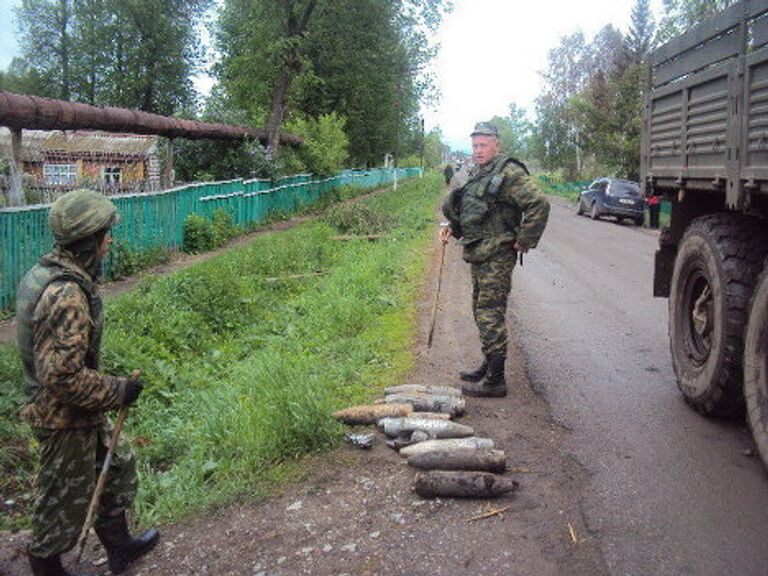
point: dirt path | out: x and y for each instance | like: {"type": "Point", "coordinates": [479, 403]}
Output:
{"type": "Point", "coordinates": [356, 514]}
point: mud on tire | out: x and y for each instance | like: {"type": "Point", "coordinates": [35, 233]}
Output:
{"type": "Point", "coordinates": [716, 268]}
{"type": "Point", "coordinates": [756, 366]}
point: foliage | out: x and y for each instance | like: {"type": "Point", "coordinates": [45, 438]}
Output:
{"type": "Point", "coordinates": [434, 149]}
{"type": "Point", "coordinates": [362, 59]}
{"type": "Point", "coordinates": [681, 15]}
{"type": "Point", "coordinates": [324, 151]}
{"type": "Point", "coordinates": [132, 53]}
{"type": "Point", "coordinates": [515, 132]}
{"type": "Point", "coordinates": [357, 218]}
{"type": "Point", "coordinates": [124, 262]}
{"type": "Point", "coordinates": [202, 235]}
{"type": "Point", "coordinates": [247, 355]}
{"type": "Point", "coordinates": [198, 235]}
{"type": "Point", "coordinates": [589, 114]}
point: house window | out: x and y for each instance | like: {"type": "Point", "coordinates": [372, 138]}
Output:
{"type": "Point", "coordinates": [60, 174]}
{"type": "Point", "coordinates": [111, 176]}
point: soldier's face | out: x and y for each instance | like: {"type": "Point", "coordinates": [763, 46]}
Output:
{"type": "Point", "coordinates": [484, 149]}
{"type": "Point", "coordinates": [106, 242]}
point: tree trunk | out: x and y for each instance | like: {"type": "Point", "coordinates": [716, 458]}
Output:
{"type": "Point", "coordinates": [64, 48]}
{"type": "Point", "coordinates": [296, 26]}
{"type": "Point", "coordinates": [277, 110]}
{"type": "Point", "coordinates": [16, 195]}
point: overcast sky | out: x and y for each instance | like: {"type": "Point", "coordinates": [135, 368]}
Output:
{"type": "Point", "coordinates": [491, 53]}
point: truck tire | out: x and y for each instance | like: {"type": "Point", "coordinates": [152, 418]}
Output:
{"type": "Point", "coordinates": [717, 264]}
{"type": "Point", "coordinates": [756, 366]}
{"type": "Point", "coordinates": [595, 211]}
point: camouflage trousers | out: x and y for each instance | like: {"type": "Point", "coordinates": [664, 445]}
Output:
{"type": "Point", "coordinates": [491, 283]}
{"type": "Point", "coordinates": [70, 462]}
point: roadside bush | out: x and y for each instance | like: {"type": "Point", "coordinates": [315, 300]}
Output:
{"type": "Point", "coordinates": [357, 219]}
{"type": "Point", "coordinates": [124, 262]}
{"type": "Point", "coordinates": [224, 228]}
{"type": "Point", "coordinates": [325, 145]}
{"type": "Point", "coordinates": [198, 235]}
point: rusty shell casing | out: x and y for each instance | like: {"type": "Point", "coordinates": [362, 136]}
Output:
{"type": "Point", "coordinates": [370, 414]}
{"type": "Point", "coordinates": [472, 443]}
{"type": "Point", "coordinates": [453, 484]}
{"type": "Point", "coordinates": [420, 389]}
{"type": "Point", "coordinates": [477, 460]}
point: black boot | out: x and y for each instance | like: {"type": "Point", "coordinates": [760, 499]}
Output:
{"type": "Point", "coordinates": [475, 375]}
{"type": "Point", "coordinates": [122, 548]}
{"type": "Point", "coordinates": [49, 566]}
{"type": "Point", "coordinates": [493, 385]}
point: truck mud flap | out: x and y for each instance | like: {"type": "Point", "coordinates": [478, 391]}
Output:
{"type": "Point", "coordinates": [664, 264]}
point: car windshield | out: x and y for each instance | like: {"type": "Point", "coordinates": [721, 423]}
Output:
{"type": "Point", "coordinates": [624, 188]}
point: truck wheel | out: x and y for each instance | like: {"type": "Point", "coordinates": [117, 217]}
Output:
{"type": "Point", "coordinates": [715, 272]}
{"type": "Point", "coordinates": [579, 208]}
{"type": "Point", "coordinates": [756, 366]}
{"type": "Point", "coordinates": [595, 212]}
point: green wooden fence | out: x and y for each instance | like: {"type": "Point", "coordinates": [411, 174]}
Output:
{"type": "Point", "coordinates": [157, 219]}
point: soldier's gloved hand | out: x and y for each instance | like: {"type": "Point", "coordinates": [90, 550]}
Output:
{"type": "Point", "coordinates": [132, 390]}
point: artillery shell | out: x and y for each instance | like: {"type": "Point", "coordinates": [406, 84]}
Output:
{"type": "Point", "coordinates": [430, 415]}
{"type": "Point", "coordinates": [478, 460]}
{"type": "Point", "coordinates": [452, 405]}
{"type": "Point", "coordinates": [419, 389]}
{"type": "Point", "coordinates": [449, 444]}
{"type": "Point", "coordinates": [372, 413]}
{"type": "Point", "coordinates": [438, 483]}
{"type": "Point", "coordinates": [434, 428]}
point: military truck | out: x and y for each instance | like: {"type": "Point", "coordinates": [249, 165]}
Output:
{"type": "Point", "coordinates": [705, 149]}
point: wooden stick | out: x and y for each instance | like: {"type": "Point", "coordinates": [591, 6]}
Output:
{"type": "Point", "coordinates": [494, 512]}
{"type": "Point", "coordinates": [102, 480]}
{"type": "Point", "coordinates": [572, 533]}
{"type": "Point", "coordinates": [437, 296]}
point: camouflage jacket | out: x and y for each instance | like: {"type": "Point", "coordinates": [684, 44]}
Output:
{"type": "Point", "coordinates": [59, 318]}
{"type": "Point", "coordinates": [499, 205]}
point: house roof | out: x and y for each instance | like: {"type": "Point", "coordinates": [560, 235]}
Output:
{"type": "Point", "coordinates": [37, 145]}
{"type": "Point", "coordinates": [31, 144]}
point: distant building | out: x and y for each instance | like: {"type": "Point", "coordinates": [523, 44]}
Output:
{"type": "Point", "coordinates": [58, 161]}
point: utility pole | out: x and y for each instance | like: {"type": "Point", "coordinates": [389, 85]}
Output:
{"type": "Point", "coordinates": [421, 174]}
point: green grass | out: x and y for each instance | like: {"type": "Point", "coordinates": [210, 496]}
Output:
{"type": "Point", "coordinates": [245, 361]}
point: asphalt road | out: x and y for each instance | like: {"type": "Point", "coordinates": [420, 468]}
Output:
{"type": "Point", "coordinates": [671, 493]}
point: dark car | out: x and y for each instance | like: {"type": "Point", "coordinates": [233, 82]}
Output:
{"type": "Point", "coordinates": [613, 197]}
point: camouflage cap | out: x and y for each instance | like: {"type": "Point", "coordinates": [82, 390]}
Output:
{"type": "Point", "coordinates": [485, 129]}
{"type": "Point", "coordinates": [80, 213]}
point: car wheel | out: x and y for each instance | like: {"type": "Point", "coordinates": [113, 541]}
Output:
{"type": "Point", "coordinates": [756, 366]}
{"type": "Point", "coordinates": [639, 221]}
{"type": "Point", "coordinates": [579, 208]}
{"type": "Point", "coordinates": [715, 271]}
{"type": "Point", "coordinates": [595, 212]}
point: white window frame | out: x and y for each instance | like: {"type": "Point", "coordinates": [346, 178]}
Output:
{"type": "Point", "coordinates": [60, 174]}
{"type": "Point", "coordinates": [108, 174]}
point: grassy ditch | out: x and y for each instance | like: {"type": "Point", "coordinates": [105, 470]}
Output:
{"type": "Point", "coordinates": [246, 355]}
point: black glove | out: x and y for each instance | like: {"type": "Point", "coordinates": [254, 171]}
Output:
{"type": "Point", "coordinates": [132, 390]}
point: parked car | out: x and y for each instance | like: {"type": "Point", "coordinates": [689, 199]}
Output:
{"type": "Point", "coordinates": [613, 197]}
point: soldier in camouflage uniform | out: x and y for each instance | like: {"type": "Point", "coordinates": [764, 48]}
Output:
{"type": "Point", "coordinates": [497, 214]}
{"type": "Point", "coordinates": [59, 316]}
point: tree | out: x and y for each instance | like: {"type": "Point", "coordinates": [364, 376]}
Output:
{"type": "Point", "coordinates": [363, 59]}
{"type": "Point", "coordinates": [681, 15]}
{"type": "Point", "coordinates": [640, 39]}
{"type": "Point", "coordinates": [132, 53]}
{"type": "Point", "coordinates": [45, 29]}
